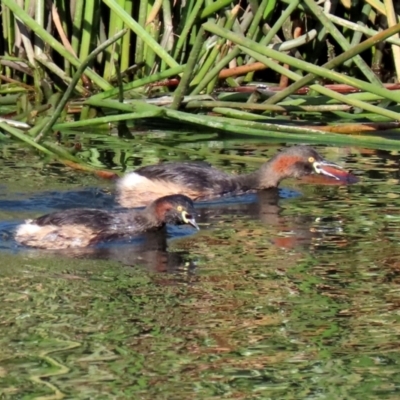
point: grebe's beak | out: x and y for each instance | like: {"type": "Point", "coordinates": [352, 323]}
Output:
{"type": "Point", "coordinates": [333, 171]}
{"type": "Point", "coordinates": [189, 219]}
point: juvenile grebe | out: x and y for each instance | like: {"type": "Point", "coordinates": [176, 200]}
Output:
{"type": "Point", "coordinates": [84, 227]}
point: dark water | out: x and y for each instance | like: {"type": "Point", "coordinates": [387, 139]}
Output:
{"type": "Point", "coordinates": [288, 294]}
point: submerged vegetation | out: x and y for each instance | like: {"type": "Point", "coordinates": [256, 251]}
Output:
{"type": "Point", "coordinates": [263, 67]}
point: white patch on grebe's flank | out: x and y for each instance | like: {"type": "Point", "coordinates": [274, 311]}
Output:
{"type": "Point", "coordinates": [135, 190]}
{"type": "Point", "coordinates": [28, 229]}
{"type": "Point", "coordinates": [132, 180]}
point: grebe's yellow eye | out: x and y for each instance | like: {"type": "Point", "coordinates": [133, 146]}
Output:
{"type": "Point", "coordinates": [179, 208]}
{"type": "Point", "coordinates": [311, 159]}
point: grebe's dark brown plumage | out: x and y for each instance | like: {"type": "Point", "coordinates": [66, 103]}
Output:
{"type": "Point", "coordinates": [84, 227]}
{"type": "Point", "coordinates": [199, 180]}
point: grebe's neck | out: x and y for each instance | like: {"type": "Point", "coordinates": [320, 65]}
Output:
{"type": "Point", "coordinates": [154, 213]}
{"type": "Point", "coordinates": [263, 178]}
{"type": "Point", "coordinates": [270, 174]}
{"type": "Point", "coordinates": [141, 220]}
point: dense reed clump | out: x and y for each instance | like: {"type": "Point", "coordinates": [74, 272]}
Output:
{"type": "Point", "coordinates": [228, 65]}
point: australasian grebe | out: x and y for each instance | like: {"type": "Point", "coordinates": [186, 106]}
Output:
{"type": "Point", "coordinates": [84, 227]}
{"type": "Point", "coordinates": [199, 180]}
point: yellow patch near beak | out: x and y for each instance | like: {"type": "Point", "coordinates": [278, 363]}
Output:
{"type": "Point", "coordinates": [190, 220]}
{"type": "Point", "coordinates": [184, 217]}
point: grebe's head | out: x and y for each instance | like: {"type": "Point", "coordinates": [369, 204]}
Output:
{"type": "Point", "coordinates": [298, 161]}
{"type": "Point", "coordinates": [176, 209]}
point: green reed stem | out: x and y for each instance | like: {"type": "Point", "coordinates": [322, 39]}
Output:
{"type": "Point", "coordinates": [63, 8]}
{"type": "Point", "coordinates": [142, 82]}
{"type": "Point", "coordinates": [18, 134]}
{"type": "Point", "coordinates": [278, 24]}
{"type": "Point", "coordinates": [188, 72]}
{"type": "Point", "coordinates": [211, 75]}
{"type": "Point", "coordinates": [357, 36]}
{"type": "Point", "coordinates": [143, 4]}
{"type": "Point", "coordinates": [126, 40]}
{"type": "Point", "coordinates": [168, 25]}
{"type": "Point", "coordinates": [184, 15]}
{"type": "Point", "coordinates": [392, 20]}
{"type": "Point", "coordinates": [75, 79]}
{"type": "Point", "coordinates": [86, 39]}
{"type": "Point", "coordinates": [321, 89]}
{"type": "Point", "coordinates": [214, 7]}
{"type": "Point", "coordinates": [116, 25]}
{"type": "Point", "coordinates": [112, 104]}
{"type": "Point", "coordinates": [9, 99]}
{"type": "Point", "coordinates": [359, 28]}
{"type": "Point", "coordinates": [49, 40]}
{"type": "Point", "coordinates": [159, 112]}
{"type": "Point", "coordinates": [315, 100]}
{"type": "Point", "coordinates": [215, 71]}
{"type": "Point", "coordinates": [267, 107]}
{"type": "Point", "coordinates": [28, 44]}
{"type": "Point", "coordinates": [187, 28]}
{"type": "Point", "coordinates": [40, 123]}
{"type": "Point", "coordinates": [39, 19]}
{"type": "Point", "coordinates": [150, 56]}
{"type": "Point", "coordinates": [6, 25]}
{"type": "Point", "coordinates": [205, 67]}
{"type": "Point", "coordinates": [139, 31]}
{"type": "Point", "coordinates": [266, 40]}
{"type": "Point", "coordinates": [42, 58]}
{"type": "Point", "coordinates": [77, 25]}
{"type": "Point", "coordinates": [366, 44]}
{"type": "Point", "coordinates": [314, 69]}
{"type": "Point", "coordinates": [258, 129]}
{"type": "Point", "coordinates": [239, 114]}
{"type": "Point", "coordinates": [344, 44]}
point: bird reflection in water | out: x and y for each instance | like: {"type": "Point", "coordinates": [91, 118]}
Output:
{"type": "Point", "coordinates": [149, 251]}
{"type": "Point", "coordinates": [264, 206]}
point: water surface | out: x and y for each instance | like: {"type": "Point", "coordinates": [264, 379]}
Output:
{"type": "Point", "coordinates": [289, 293]}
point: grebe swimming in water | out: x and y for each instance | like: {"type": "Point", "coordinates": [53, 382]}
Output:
{"type": "Point", "coordinates": [84, 227]}
{"type": "Point", "coordinates": [199, 180]}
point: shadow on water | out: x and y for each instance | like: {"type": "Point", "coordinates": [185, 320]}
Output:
{"type": "Point", "coordinates": [289, 293]}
